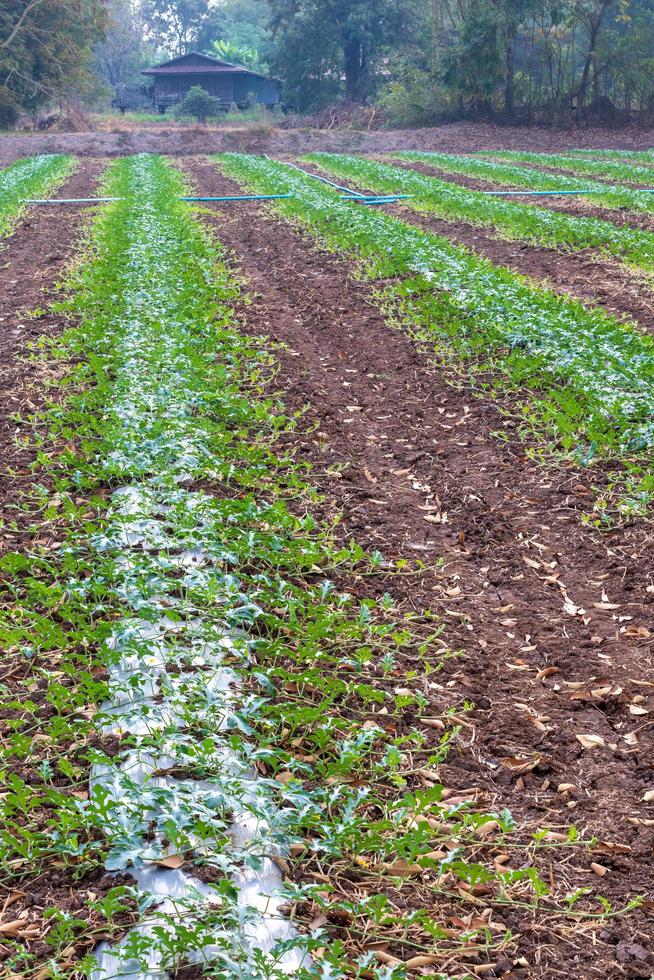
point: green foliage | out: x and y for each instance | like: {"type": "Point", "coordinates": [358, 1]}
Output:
{"type": "Point", "coordinates": [531, 59]}
{"type": "Point", "coordinates": [9, 108]}
{"type": "Point", "coordinates": [473, 67]}
{"type": "Point", "coordinates": [238, 54]}
{"type": "Point", "coordinates": [318, 41]}
{"type": "Point", "coordinates": [45, 47]}
{"type": "Point", "coordinates": [510, 219]}
{"type": "Point", "coordinates": [34, 176]}
{"type": "Point", "coordinates": [198, 104]}
{"type": "Point", "coordinates": [241, 24]}
{"type": "Point", "coordinates": [123, 51]}
{"type": "Point", "coordinates": [176, 24]}
{"type": "Point", "coordinates": [415, 97]}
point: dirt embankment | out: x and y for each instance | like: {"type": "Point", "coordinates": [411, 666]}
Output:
{"type": "Point", "coordinates": [453, 137]}
{"type": "Point", "coordinates": [555, 621]}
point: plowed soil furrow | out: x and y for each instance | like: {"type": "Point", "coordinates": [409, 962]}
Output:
{"type": "Point", "coordinates": [546, 611]}
{"type": "Point", "coordinates": [586, 275]}
{"type": "Point", "coordinates": [580, 206]}
{"type": "Point", "coordinates": [32, 261]}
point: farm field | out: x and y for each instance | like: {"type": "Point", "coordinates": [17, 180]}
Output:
{"type": "Point", "coordinates": [489, 174]}
{"type": "Point", "coordinates": [629, 171]}
{"type": "Point", "coordinates": [327, 591]}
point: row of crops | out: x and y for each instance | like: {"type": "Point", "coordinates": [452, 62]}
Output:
{"type": "Point", "coordinates": [33, 177]}
{"type": "Point", "coordinates": [508, 219]}
{"type": "Point", "coordinates": [510, 175]}
{"type": "Point", "coordinates": [630, 172]}
{"type": "Point", "coordinates": [579, 376]}
{"type": "Point", "coordinates": [176, 708]}
{"type": "Point", "coordinates": [198, 695]}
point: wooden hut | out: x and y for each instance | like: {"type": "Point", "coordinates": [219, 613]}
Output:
{"type": "Point", "coordinates": [228, 83]}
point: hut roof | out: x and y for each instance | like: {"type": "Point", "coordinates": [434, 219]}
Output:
{"type": "Point", "coordinates": [208, 65]}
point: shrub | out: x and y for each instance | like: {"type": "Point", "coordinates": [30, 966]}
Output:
{"type": "Point", "coordinates": [414, 98]}
{"type": "Point", "coordinates": [198, 104]}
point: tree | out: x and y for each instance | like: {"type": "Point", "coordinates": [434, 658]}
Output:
{"type": "Point", "coordinates": [121, 54]}
{"type": "Point", "coordinates": [45, 47]}
{"type": "Point", "coordinates": [237, 54]}
{"type": "Point", "coordinates": [175, 24]}
{"type": "Point", "coordinates": [242, 23]}
{"type": "Point", "coordinates": [321, 40]}
{"type": "Point", "coordinates": [473, 67]}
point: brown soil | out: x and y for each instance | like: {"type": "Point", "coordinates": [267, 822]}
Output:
{"type": "Point", "coordinates": [586, 275]}
{"type": "Point", "coordinates": [555, 621]}
{"type": "Point", "coordinates": [460, 137]}
{"type": "Point", "coordinates": [580, 206]}
{"type": "Point", "coordinates": [70, 892]}
{"type": "Point", "coordinates": [32, 261]}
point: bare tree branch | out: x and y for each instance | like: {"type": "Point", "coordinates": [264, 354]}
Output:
{"type": "Point", "coordinates": [17, 26]}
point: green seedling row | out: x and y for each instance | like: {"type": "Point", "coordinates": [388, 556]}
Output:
{"type": "Point", "coordinates": [35, 176]}
{"type": "Point", "coordinates": [515, 178]}
{"type": "Point", "coordinates": [628, 172]}
{"type": "Point", "coordinates": [509, 219]}
{"type": "Point", "coordinates": [637, 156]}
{"type": "Point", "coordinates": [583, 378]}
{"type": "Point", "coordinates": [183, 546]}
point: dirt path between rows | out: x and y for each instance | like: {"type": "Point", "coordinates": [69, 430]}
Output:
{"type": "Point", "coordinates": [32, 261]}
{"type": "Point", "coordinates": [586, 274]}
{"type": "Point", "coordinates": [547, 612]}
{"type": "Point", "coordinates": [580, 207]}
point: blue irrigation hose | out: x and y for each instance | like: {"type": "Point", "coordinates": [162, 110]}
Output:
{"type": "Point", "coordinates": [349, 194]}
{"type": "Point", "coordinates": [641, 190]}
{"type": "Point", "coordinates": [68, 200]}
{"type": "Point", "coordinates": [378, 198]}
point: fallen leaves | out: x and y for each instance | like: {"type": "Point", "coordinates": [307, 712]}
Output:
{"type": "Point", "coordinates": [172, 861]}
{"type": "Point", "coordinates": [590, 742]}
{"type": "Point", "coordinates": [521, 764]}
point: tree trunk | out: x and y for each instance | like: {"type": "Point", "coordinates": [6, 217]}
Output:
{"type": "Point", "coordinates": [354, 59]}
{"type": "Point", "coordinates": [594, 27]}
{"type": "Point", "coordinates": [509, 92]}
